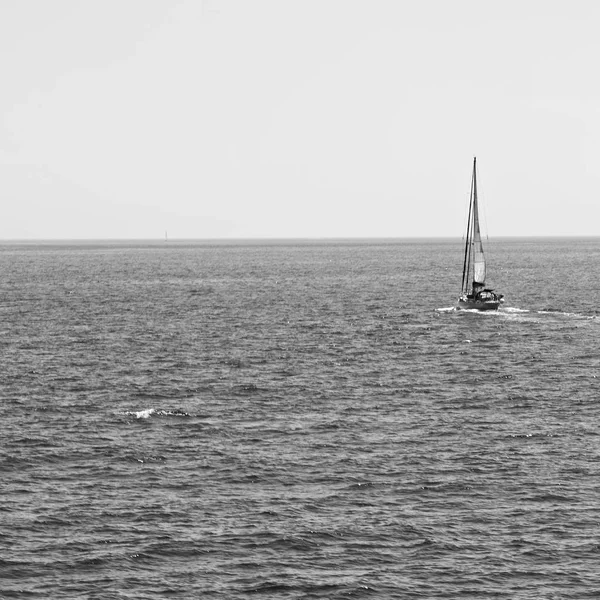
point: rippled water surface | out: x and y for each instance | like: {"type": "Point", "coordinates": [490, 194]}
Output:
{"type": "Point", "coordinates": [298, 420]}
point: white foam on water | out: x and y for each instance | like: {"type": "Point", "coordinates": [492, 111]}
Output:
{"type": "Point", "coordinates": [142, 414]}
{"type": "Point", "coordinates": [564, 314]}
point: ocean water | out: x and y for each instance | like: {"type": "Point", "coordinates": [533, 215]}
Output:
{"type": "Point", "coordinates": [298, 420]}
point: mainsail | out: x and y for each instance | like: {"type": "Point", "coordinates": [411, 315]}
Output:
{"type": "Point", "coordinates": [478, 257]}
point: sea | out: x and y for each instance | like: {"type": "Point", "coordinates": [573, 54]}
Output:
{"type": "Point", "coordinates": [298, 419]}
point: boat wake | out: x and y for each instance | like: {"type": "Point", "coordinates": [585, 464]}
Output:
{"type": "Point", "coordinates": [513, 310]}
{"type": "Point", "coordinates": [565, 314]}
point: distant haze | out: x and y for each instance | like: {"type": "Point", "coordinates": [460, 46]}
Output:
{"type": "Point", "coordinates": [297, 118]}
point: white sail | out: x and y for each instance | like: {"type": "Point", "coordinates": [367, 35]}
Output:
{"type": "Point", "coordinates": [478, 257]}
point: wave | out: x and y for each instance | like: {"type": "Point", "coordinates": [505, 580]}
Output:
{"type": "Point", "coordinates": [148, 412]}
{"type": "Point", "coordinates": [142, 414]}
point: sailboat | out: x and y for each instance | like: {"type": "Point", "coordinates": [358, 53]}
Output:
{"type": "Point", "coordinates": [474, 294]}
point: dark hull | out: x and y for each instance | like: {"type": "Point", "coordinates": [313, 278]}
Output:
{"type": "Point", "coordinates": [478, 304]}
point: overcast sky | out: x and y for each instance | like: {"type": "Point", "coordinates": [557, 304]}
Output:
{"type": "Point", "coordinates": [297, 118]}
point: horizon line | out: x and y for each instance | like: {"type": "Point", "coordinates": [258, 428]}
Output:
{"type": "Point", "coordinates": [277, 238]}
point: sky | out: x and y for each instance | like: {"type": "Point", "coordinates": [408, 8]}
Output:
{"type": "Point", "coordinates": [297, 118]}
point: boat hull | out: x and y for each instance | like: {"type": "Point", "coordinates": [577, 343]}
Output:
{"type": "Point", "coordinates": [478, 304]}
